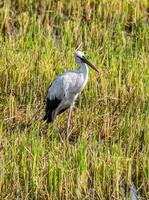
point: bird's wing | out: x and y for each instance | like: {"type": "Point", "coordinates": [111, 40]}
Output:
{"type": "Point", "coordinates": [65, 85]}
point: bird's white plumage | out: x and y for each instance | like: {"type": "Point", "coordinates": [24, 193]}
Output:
{"type": "Point", "coordinates": [66, 85]}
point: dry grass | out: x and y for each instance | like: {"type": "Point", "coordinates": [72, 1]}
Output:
{"type": "Point", "coordinates": [107, 149]}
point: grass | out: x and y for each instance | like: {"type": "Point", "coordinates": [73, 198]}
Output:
{"type": "Point", "coordinates": [107, 150]}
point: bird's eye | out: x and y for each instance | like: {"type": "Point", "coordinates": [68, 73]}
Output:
{"type": "Point", "coordinates": [80, 57]}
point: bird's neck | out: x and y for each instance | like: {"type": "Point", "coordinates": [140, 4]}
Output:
{"type": "Point", "coordinates": [84, 69]}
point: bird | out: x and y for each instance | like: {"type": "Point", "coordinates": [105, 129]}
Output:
{"type": "Point", "coordinates": [64, 90]}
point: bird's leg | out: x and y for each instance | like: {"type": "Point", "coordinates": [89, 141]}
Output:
{"type": "Point", "coordinates": [68, 121]}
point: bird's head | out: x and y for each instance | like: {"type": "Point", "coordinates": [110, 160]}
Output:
{"type": "Point", "coordinates": [80, 59]}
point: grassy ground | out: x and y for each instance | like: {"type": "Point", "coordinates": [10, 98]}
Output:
{"type": "Point", "coordinates": [108, 147]}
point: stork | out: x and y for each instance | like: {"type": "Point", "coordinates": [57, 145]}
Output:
{"type": "Point", "coordinates": [65, 89]}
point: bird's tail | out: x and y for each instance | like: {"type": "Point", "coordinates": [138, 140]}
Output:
{"type": "Point", "coordinates": [51, 105]}
{"type": "Point", "coordinates": [48, 118]}
{"type": "Point", "coordinates": [48, 112]}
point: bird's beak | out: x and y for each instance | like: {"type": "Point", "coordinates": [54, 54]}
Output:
{"type": "Point", "coordinates": [89, 63]}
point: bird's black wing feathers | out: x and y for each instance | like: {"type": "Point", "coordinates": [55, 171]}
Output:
{"type": "Point", "coordinates": [51, 105]}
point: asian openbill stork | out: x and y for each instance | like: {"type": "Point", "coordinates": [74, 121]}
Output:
{"type": "Point", "coordinates": [65, 89]}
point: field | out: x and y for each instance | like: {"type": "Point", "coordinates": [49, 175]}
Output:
{"type": "Point", "coordinates": [106, 154]}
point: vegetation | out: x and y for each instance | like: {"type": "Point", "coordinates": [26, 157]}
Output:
{"type": "Point", "coordinates": [107, 149]}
